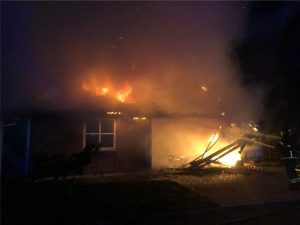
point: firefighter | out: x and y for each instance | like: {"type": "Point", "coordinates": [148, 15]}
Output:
{"type": "Point", "coordinates": [288, 145]}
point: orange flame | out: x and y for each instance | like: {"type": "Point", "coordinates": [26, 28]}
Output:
{"type": "Point", "coordinates": [121, 95]}
{"type": "Point", "coordinates": [231, 159]}
{"type": "Point", "coordinates": [227, 160]}
{"type": "Point", "coordinates": [101, 91]}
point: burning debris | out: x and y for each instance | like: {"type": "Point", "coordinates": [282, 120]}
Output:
{"type": "Point", "coordinates": [230, 154]}
{"type": "Point", "coordinates": [226, 146]}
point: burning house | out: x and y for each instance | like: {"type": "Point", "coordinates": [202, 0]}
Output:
{"type": "Point", "coordinates": [130, 141]}
{"type": "Point", "coordinates": [133, 137]}
{"type": "Point", "coordinates": [175, 84]}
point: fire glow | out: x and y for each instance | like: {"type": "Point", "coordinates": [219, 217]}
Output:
{"type": "Point", "coordinates": [231, 159]}
{"type": "Point", "coordinates": [228, 160]}
{"type": "Point", "coordinates": [121, 94]}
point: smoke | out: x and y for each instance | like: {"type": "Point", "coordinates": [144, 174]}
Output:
{"type": "Point", "coordinates": [167, 52]}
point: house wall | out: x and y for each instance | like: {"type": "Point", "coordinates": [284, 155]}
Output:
{"type": "Point", "coordinates": [52, 136]}
{"type": "Point", "coordinates": [133, 145]}
{"type": "Point", "coordinates": [15, 148]}
{"type": "Point", "coordinates": [61, 135]}
{"type": "Point", "coordinates": [133, 149]}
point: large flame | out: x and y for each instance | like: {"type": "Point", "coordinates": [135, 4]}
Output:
{"type": "Point", "coordinates": [229, 159]}
{"type": "Point", "coordinates": [121, 94]}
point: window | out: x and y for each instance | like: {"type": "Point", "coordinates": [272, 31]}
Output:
{"type": "Point", "coordinates": [96, 131]}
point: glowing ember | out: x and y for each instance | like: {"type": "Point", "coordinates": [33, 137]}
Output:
{"type": "Point", "coordinates": [222, 114]}
{"type": "Point", "coordinates": [204, 88]}
{"type": "Point", "coordinates": [253, 126]}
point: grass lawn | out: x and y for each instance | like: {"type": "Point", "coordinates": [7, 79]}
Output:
{"type": "Point", "coordinates": [62, 203]}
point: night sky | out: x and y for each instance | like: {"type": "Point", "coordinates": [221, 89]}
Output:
{"type": "Point", "coordinates": [241, 52]}
{"type": "Point", "coordinates": [268, 55]}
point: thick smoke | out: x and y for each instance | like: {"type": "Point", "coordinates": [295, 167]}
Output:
{"type": "Point", "coordinates": [171, 56]}
{"type": "Point", "coordinates": [166, 51]}
{"type": "Point", "coordinates": [177, 57]}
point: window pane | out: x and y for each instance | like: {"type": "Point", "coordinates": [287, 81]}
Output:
{"type": "Point", "coordinates": [92, 140]}
{"type": "Point", "coordinates": [107, 126]}
{"type": "Point", "coordinates": [107, 140]}
{"type": "Point", "coordinates": [92, 126]}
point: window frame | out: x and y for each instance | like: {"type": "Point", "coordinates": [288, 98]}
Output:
{"type": "Point", "coordinates": [99, 133]}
